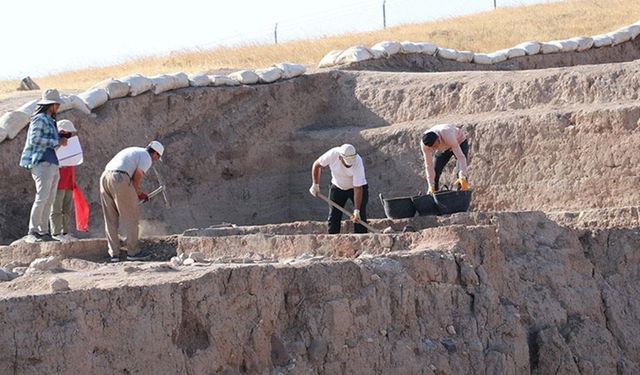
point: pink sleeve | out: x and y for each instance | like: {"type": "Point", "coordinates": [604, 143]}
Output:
{"type": "Point", "coordinates": [462, 160]}
{"type": "Point", "coordinates": [428, 161]}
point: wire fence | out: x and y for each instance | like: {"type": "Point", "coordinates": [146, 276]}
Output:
{"type": "Point", "coordinates": [360, 16]}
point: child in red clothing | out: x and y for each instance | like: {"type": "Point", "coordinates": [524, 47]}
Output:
{"type": "Point", "coordinates": [62, 205]}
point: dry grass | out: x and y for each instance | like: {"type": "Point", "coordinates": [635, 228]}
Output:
{"type": "Point", "coordinates": [488, 31]}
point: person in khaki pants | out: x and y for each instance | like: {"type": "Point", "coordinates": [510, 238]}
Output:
{"type": "Point", "coordinates": [120, 193]}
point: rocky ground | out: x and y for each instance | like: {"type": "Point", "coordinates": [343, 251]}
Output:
{"type": "Point", "coordinates": [541, 276]}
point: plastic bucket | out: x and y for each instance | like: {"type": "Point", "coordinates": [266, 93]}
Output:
{"type": "Point", "coordinates": [450, 202]}
{"type": "Point", "coordinates": [398, 208]}
{"type": "Point", "coordinates": [425, 205]}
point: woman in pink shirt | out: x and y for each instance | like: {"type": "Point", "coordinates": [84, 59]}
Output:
{"type": "Point", "coordinates": [438, 145]}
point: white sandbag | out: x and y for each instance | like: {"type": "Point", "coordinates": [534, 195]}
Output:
{"type": "Point", "coordinates": [137, 84]}
{"type": "Point", "coordinates": [14, 121]}
{"type": "Point", "coordinates": [584, 43]}
{"type": "Point", "coordinates": [94, 98]}
{"type": "Point", "coordinates": [567, 45]}
{"type": "Point", "coordinates": [427, 48]}
{"type": "Point", "coordinates": [220, 80]}
{"type": "Point", "coordinates": [199, 80]}
{"type": "Point", "coordinates": [448, 54]}
{"type": "Point", "coordinates": [514, 52]}
{"type": "Point", "coordinates": [482, 58]}
{"type": "Point", "coordinates": [3, 134]}
{"type": "Point", "coordinates": [29, 107]}
{"type": "Point", "coordinates": [329, 59]}
{"type": "Point", "coordinates": [181, 80]}
{"type": "Point", "coordinates": [633, 30]}
{"type": "Point", "coordinates": [602, 40]}
{"type": "Point", "coordinates": [246, 77]}
{"type": "Point", "coordinates": [269, 75]}
{"type": "Point", "coordinates": [290, 70]}
{"type": "Point", "coordinates": [115, 89]}
{"type": "Point", "coordinates": [74, 102]}
{"type": "Point", "coordinates": [465, 56]}
{"type": "Point", "coordinates": [619, 36]}
{"type": "Point", "coordinates": [378, 54]}
{"type": "Point", "coordinates": [408, 47]}
{"type": "Point", "coordinates": [532, 48]}
{"type": "Point", "coordinates": [498, 56]}
{"type": "Point", "coordinates": [549, 47]}
{"type": "Point", "coordinates": [162, 83]}
{"type": "Point", "coordinates": [387, 47]}
{"type": "Point", "coordinates": [354, 54]}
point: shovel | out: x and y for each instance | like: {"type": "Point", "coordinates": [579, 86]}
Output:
{"type": "Point", "coordinates": [153, 193]}
{"type": "Point", "coordinates": [334, 204]}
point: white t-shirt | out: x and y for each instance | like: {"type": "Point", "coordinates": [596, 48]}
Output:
{"type": "Point", "coordinates": [341, 176]}
{"type": "Point", "coordinates": [130, 159]}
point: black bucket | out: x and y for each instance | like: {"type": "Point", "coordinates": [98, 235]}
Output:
{"type": "Point", "coordinates": [425, 205]}
{"type": "Point", "coordinates": [450, 201]}
{"type": "Point", "coordinates": [398, 208]}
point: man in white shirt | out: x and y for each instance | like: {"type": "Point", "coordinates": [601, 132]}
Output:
{"type": "Point", "coordinates": [438, 145]}
{"type": "Point", "coordinates": [347, 182]}
{"type": "Point", "coordinates": [120, 192]}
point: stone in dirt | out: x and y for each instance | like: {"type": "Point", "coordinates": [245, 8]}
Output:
{"type": "Point", "coordinates": [59, 285]}
{"type": "Point", "coordinates": [27, 84]}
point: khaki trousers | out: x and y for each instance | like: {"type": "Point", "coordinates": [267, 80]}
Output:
{"type": "Point", "coordinates": [60, 220]}
{"type": "Point", "coordinates": [46, 176]}
{"type": "Point", "coordinates": [120, 206]}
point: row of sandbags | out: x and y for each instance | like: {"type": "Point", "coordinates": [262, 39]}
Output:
{"type": "Point", "coordinates": [11, 123]}
{"type": "Point", "coordinates": [387, 48]}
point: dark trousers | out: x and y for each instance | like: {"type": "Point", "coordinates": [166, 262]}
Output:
{"type": "Point", "coordinates": [440, 159]}
{"type": "Point", "coordinates": [340, 197]}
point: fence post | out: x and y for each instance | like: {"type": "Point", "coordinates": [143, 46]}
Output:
{"type": "Point", "coordinates": [384, 14]}
{"type": "Point", "coordinates": [275, 33]}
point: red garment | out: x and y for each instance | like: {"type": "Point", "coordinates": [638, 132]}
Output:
{"type": "Point", "coordinates": [81, 210]}
{"type": "Point", "coordinates": [67, 178]}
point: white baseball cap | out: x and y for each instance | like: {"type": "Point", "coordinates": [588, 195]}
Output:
{"type": "Point", "coordinates": [67, 126]}
{"type": "Point", "coordinates": [348, 153]}
{"type": "Point", "coordinates": [157, 147]}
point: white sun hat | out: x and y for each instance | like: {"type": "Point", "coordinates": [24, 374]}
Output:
{"type": "Point", "coordinates": [348, 153]}
{"type": "Point", "coordinates": [67, 126]}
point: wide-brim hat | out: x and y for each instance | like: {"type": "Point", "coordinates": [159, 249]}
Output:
{"type": "Point", "coordinates": [50, 96]}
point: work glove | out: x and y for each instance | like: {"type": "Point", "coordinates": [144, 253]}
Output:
{"type": "Point", "coordinates": [462, 184]}
{"type": "Point", "coordinates": [314, 189]}
{"type": "Point", "coordinates": [356, 216]}
{"type": "Point", "coordinates": [142, 196]}
{"type": "Point", "coordinates": [431, 190]}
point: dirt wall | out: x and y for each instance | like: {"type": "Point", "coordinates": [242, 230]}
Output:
{"type": "Point", "coordinates": [518, 295]}
{"type": "Point", "coordinates": [243, 154]}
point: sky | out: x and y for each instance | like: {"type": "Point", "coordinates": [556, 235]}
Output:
{"type": "Point", "coordinates": [40, 37]}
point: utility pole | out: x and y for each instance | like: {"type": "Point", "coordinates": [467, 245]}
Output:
{"type": "Point", "coordinates": [384, 14]}
{"type": "Point", "coordinates": [275, 33]}
{"type": "Point", "coordinates": [495, 6]}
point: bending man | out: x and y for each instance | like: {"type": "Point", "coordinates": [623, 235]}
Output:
{"type": "Point", "coordinates": [347, 182]}
{"type": "Point", "coordinates": [438, 145]}
{"type": "Point", "coordinates": [120, 192]}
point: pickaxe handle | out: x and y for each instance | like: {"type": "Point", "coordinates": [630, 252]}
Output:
{"type": "Point", "coordinates": [334, 204]}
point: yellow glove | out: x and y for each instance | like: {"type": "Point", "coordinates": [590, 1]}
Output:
{"type": "Point", "coordinates": [462, 184]}
{"type": "Point", "coordinates": [431, 190]}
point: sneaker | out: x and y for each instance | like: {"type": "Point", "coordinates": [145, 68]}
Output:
{"type": "Point", "coordinates": [32, 238]}
{"type": "Point", "coordinates": [70, 238]}
{"type": "Point", "coordinates": [46, 237]}
{"type": "Point", "coordinates": [138, 258]}
{"type": "Point", "coordinates": [120, 258]}
{"type": "Point", "coordinates": [59, 237]}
